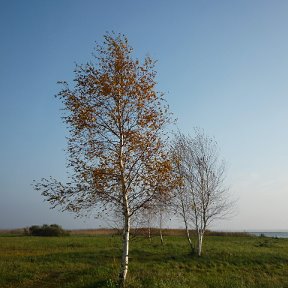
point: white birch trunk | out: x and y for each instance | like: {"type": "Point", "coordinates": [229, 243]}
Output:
{"type": "Point", "coordinates": [125, 252]}
{"type": "Point", "coordinates": [200, 241]}
{"type": "Point", "coordinates": [126, 214]}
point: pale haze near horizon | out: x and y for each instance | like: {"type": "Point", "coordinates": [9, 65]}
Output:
{"type": "Point", "coordinates": [222, 64]}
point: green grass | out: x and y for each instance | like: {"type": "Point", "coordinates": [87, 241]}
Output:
{"type": "Point", "coordinates": [79, 261]}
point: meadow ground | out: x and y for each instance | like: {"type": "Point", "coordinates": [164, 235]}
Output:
{"type": "Point", "coordinates": [93, 261]}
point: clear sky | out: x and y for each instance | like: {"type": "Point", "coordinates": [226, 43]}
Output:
{"type": "Point", "coordinates": [222, 64]}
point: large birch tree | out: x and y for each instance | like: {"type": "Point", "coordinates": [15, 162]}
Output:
{"type": "Point", "coordinates": [116, 149]}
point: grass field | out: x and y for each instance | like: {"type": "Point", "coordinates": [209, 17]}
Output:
{"type": "Point", "coordinates": [92, 261]}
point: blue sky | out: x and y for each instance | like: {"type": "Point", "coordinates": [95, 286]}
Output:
{"type": "Point", "coordinates": [222, 64]}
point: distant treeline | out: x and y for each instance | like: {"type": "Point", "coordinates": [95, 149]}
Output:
{"type": "Point", "coordinates": [57, 230]}
{"type": "Point", "coordinates": [181, 232]}
{"type": "Point", "coordinates": [154, 232]}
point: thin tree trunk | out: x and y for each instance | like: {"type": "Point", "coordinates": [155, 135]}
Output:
{"type": "Point", "coordinates": [160, 229]}
{"type": "Point", "coordinates": [125, 252]}
{"type": "Point", "coordinates": [149, 227]}
{"type": "Point", "coordinates": [149, 233]}
{"type": "Point", "coordinates": [161, 237]}
{"type": "Point", "coordinates": [186, 225]}
{"type": "Point", "coordinates": [200, 241]}
{"type": "Point", "coordinates": [188, 236]}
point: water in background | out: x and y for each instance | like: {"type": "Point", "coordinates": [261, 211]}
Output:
{"type": "Point", "coordinates": [271, 234]}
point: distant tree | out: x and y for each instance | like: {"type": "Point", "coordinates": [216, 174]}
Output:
{"type": "Point", "coordinates": [116, 147]}
{"type": "Point", "coordinates": [47, 230]}
{"type": "Point", "coordinates": [162, 209]}
{"type": "Point", "coordinates": [146, 219]}
{"type": "Point", "coordinates": [156, 214]}
{"type": "Point", "coordinates": [202, 196]}
{"type": "Point", "coordinates": [161, 216]}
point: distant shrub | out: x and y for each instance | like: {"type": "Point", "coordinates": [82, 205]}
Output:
{"type": "Point", "coordinates": [47, 230]}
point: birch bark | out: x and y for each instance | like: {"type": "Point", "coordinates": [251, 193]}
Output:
{"type": "Point", "coordinates": [125, 250]}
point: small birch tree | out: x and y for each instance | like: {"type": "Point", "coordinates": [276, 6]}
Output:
{"type": "Point", "coordinates": [181, 203]}
{"type": "Point", "coordinates": [202, 196]}
{"type": "Point", "coordinates": [116, 147]}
